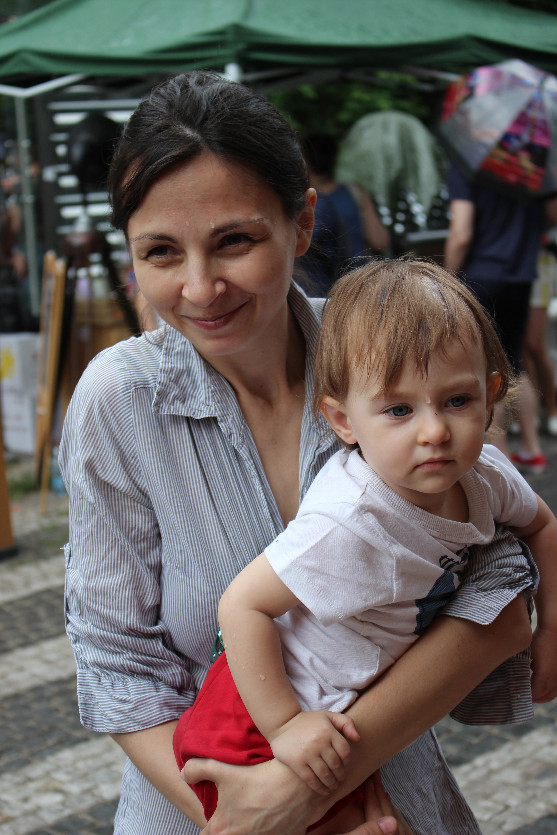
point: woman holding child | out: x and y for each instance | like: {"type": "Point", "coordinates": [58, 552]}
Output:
{"type": "Point", "coordinates": [186, 451]}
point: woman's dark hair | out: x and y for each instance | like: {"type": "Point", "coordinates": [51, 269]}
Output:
{"type": "Point", "coordinates": [200, 111]}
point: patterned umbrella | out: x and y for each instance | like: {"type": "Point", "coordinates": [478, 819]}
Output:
{"type": "Point", "coordinates": [500, 122]}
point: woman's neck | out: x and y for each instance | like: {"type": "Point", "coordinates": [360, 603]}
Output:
{"type": "Point", "coordinates": [270, 390]}
{"type": "Point", "coordinates": [268, 373]}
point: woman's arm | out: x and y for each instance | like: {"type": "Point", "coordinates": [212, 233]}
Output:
{"type": "Point", "coordinates": [113, 583]}
{"type": "Point", "coordinates": [541, 538]}
{"type": "Point", "coordinates": [151, 752]}
{"type": "Point", "coordinates": [451, 658]}
{"type": "Point", "coordinates": [430, 679]}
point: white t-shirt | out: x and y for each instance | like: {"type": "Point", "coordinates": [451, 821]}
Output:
{"type": "Point", "coordinates": [372, 570]}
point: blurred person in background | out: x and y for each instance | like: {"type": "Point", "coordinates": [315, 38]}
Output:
{"type": "Point", "coordinates": [347, 224]}
{"type": "Point", "coordinates": [493, 242]}
{"type": "Point", "coordinates": [536, 358]}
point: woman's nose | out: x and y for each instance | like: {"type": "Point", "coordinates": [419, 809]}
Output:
{"type": "Point", "coordinates": [434, 429]}
{"type": "Point", "coordinates": [199, 285]}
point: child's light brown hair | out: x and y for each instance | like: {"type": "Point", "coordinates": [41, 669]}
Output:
{"type": "Point", "coordinates": [378, 316]}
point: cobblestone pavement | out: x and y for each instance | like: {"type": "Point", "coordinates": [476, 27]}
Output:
{"type": "Point", "coordinates": [56, 777]}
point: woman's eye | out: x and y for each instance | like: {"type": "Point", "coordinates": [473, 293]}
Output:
{"type": "Point", "coordinates": [458, 401]}
{"type": "Point", "coordinates": [161, 251]}
{"type": "Point", "coordinates": [398, 411]}
{"type": "Point", "coordinates": [235, 239]}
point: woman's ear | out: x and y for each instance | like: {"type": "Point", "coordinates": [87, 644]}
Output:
{"type": "Point", "coordinates": [335, 414]}
{"type": "Point", "coordinates": [305, 222]}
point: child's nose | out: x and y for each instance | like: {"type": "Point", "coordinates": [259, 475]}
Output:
{"type": "Point", "coordinates": [434, 428]}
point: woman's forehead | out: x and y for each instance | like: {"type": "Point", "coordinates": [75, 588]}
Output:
{"type": "Point", "coordinates": [206, 185]}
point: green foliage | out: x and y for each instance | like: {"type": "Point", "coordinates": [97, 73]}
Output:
{"type": "Point", "coordinates": [335, 106]}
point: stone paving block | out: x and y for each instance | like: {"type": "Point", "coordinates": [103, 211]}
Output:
{"type": "Point", "coordinates": [22, 580]}
{"type": "Point", "coordinates": [39, 799]}
{"type": "Point", "coordinates": [543, 826]}
{"type": "Point", "coordinates": [31, 619]}
{"type": "Point", "coordinates": [505, 787]}
{"type": "Point", "coordinates": [36, 664]}
{"type": "Point", "coordinates": [21, 826]}
{"type": "Point", "coordinates": [38, 722]}
{"type": "Point", "coordinates": [97, 821]}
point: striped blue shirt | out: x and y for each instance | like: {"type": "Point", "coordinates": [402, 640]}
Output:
{"type": "Point", "coordinates": [168, 502]}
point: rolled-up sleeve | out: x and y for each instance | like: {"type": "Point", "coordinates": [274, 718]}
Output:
{"type": "Point", "coordinates": [129, 676]}
{"type": "Point", "coordinates": [497, 573]}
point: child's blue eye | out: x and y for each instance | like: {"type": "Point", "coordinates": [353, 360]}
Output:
{"type": "Point", "coordinates": [458, 400]}
{"type": "Point", "coordinates": [399, 411]}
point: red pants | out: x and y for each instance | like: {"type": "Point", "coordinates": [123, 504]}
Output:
{"type": "Point", "coordinates": [218, 726]}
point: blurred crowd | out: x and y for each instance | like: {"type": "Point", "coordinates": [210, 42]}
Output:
{"type": "Point", "coordinates": [353, 224]}
{"type": "Point", "coordinates": [14, 276]}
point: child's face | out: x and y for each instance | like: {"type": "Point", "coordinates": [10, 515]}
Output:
{"type": "Point", "coordinates": [425, 433]}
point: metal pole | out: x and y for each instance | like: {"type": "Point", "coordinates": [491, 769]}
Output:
{"type": "Point", "coordinates": [233, 72]}
{"type": "Point", "coordinates": [28, 199]}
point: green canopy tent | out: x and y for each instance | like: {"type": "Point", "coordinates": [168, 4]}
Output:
{"type": "Point", "coordinates": [104, 37]}
{"type": "Point", "coordinates": [258, 41]}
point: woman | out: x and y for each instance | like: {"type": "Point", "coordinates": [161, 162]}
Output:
{"type": "Point", "coordinates": [187, 450]}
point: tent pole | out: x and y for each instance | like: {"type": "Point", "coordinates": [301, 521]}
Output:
{"type": "Point", "coordinates": [43, 87]}
{"type": "Point", "coordinates": [28, 199]}
{"type": "Point", "coordinates": [233, 72]}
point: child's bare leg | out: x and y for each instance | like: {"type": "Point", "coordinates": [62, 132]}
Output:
{"type": "Point", "coordinates": [346, 820]}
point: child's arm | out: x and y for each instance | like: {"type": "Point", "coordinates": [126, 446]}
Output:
{"type": "Point", "coordinates": [313, 744]}
{"type": "Point", "coordinates": [541, 538]}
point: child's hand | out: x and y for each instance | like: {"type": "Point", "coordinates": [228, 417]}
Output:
{"type": "Point", "coordinates": [544, 665]}
{"type": "Point", "coordinates": [315, 746]}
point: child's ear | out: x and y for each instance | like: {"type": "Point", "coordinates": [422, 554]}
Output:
{"type": "Point", "coordinates": [492, 387]}
{"type": "Point", "coordinates": [335, 413]}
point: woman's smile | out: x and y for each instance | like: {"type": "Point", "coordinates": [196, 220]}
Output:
{"type": "Point", "coordinates": [216, 321]}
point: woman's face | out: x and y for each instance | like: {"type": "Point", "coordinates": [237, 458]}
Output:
{"type": "Point", "coordinates": [213, 253]}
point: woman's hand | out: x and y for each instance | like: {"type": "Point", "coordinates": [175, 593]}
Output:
{"type": "Point", "coordinates": [245, 808]}
{"type": "Point", "coordinates": [385, 826]}
{"type": "Point", "coordinates": [380, 811]}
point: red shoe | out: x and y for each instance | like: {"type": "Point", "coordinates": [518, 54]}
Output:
{"type": "Point", "coordinates": [529, 463]}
